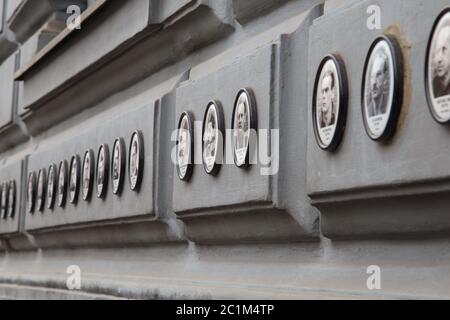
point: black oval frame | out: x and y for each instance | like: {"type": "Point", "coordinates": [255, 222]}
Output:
{"type": "Point", "coordinates": [341, 119]}
{"type": "Point", "coordinates": [397, 98]}
{"type": "Point", "coordinates": [140, 173]}
{"type": "Point", "coordinates": [12, 188]}
{"type": "Point", "coordinates": [123, 155]}
{"type": "Point", "coordinates": [4, 206]}
{"type": "Point", "coordinates": [253, 125]}
{"type": "Point", "coordinates": [77, 186]}
{"type": "Point", "coordinates": [427, 59]}
{"type": "Point", "coordinates": [190, 166]}
{"type": "Point", "coordinates": [62, 165]}
{"type": "Point", "coordinates": [88, 153]}
{"type": "Point", "coordinates": [41, 206]}
{"type": "Point", "coordinates": [31, 206]}
{"type": "Point", "coordinates": [102, 194]}
{"type": "Point", "coordinates": [51, 202]}
{"type": "Point", "coordinates": [221, 129]}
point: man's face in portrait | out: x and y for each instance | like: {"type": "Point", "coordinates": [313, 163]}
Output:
{"type": "Point", "coordinates": [327, 93]}
{"type": "Point", "coordinates": [86, 171]}
{"type": "Point", "coordinates": [116, 163]}
{"type": "Point", "coordinates": [134, 159]}
{"type": "Point", "coordinates": [378, 76]}
{"type": "Point", "coordinates": [241, 116]}
{"type": "Point", "coordinates": [442, 53]}
{"type": "Point", "coordinates": [101, 166]}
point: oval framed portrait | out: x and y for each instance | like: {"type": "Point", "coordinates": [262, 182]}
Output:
{"type": "Point", "coordinates": [87, 176]}
{"type": "Point", "coordinates": [330, 101]}
{"type": "Point", "coordinates": [74, 179]}
{"type": "Point", "coordinates": [136, 160]}
{"type": "Point", "coordinates": [118, 165]}
{"type": "Point", "coordinates": [185, 146]}
{"type": "Point", "coordinates": [244, 122]}
{"type": "Point", "coordinates": [51, 186]}
{"type": "Point", "coordinates": [11, 199]}
{"type": "Point", "coordinates": [102, 171]}
{"type": "Point", "coordinates": [41, 188]}
{"type": "Point", "coordinates": [62, 183]}
{"type": "Point", "coordinates": [437, 69]}
{"type": "Point", "coordinates": [31, 192]}
{"type": "Point", "coordinates": [382, 88]}
{"type": "Point", "coordinates": [213, 137]}
{"type": "Point", "coordinates": [4, 200]}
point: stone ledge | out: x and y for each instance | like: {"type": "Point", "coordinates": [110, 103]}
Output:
{"type": "Point", "coordinates": [134, 59]}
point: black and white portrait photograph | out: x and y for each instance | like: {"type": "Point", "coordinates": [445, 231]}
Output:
{"type": "Point", "coordinates": [243, 121]}
{"type": "Point", "coordinates": [4, 200]}
{"type": "Point", "coordinates": [11, 199]}
{"type": "Point", "coordinates": [382, 88]}
{"type": "Point", "coordinates": [31, 192]}
{"type": "Point", "coordinates": [41, 188]}
{"type": "Point", "coordinates": [62, 183]}
{"type": "Point", "coordinates": [136, 160]}
{"type": "Point", "coordinates": [51, 186]}
{"type": "Point", "coordinates": [185, 143]}
{"type": "Point", "coordinates": [118, 165]}
{"type": "Point", "coordinates": [330, 102]}
{"type": "Point", "coordinates": [88, 174]}
{"type": "Point", "coordinates": [102, 171]}
{"type": "Point", "coordinates": [213, 136]}
{"type": "Point", "coordinates": [438, 69]}
{"type": "Point", "coordinates": [74, 179]}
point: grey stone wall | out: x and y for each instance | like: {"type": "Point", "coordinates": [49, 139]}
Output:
{"type": "Point", "coordinates": [309, 231]}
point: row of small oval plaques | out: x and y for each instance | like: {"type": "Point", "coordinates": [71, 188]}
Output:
{"type": "Point", "coordinates": [244, 120]}
{"type": "Point", "coordinates": [7, 199]}
{"type": "Point", "coordinates": [51, 186]}
{"type": "Point", "coordinates": [382, 87]}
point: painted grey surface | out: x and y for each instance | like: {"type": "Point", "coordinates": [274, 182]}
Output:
{"type": "Point", "coordinates": [161, 10]}
{"type": "Point", "coordinates": [42, 100]}
{"type": "Point", "coordinates": [12, 6]}
{"type": "Point", "coordinates": [10, 130]}
{"type": "Point", "coordinates": [29, 15]}
{"type": "Point", "coordinates": [411, 269]}
{"type": "Point", "coordinates": [247, 10]}
{"type": "Point", "coordinates": [358, 170]}
{"type": "Point", "coordinates": [7, 69]}
{"type": "Point", "coordinates": [2, 15]}
{"type": "Point", "coordinates": [291, 256]}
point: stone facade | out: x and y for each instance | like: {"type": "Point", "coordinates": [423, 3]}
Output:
{"type": "Point", "coordinates": [314, 229]}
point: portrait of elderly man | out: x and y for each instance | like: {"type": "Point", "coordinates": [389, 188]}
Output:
{"type": "Point", "coordinates": [441, 63]}
{"type": "Point", "coordinates": [5, 197]}
{"type": "Point", "coordinates": [209, 138]}
{"type": "Point", "coordinates": [30, 196]}
{"type": "Point", "coordinates": [73, 181]}
{"type": "Point", "coordinates": [378, 82]}
{"type": "Point", "coordinates": [61, 184]}
{"type": "Point", "coordinates": [86, 175]}
{"type": "Point", "coordinates": [11, 199]}
{"type": "Point", "coordinates": [241, 134]}
{"type": "Point", "coordinates": [134, 165]}
{"type": "Point", "coordinates": [100, 169]}
{"type": "Point", "coordinates": [327, 100]}
{"type": "Point", "coordinates": [40, 192]}
{"type": "Point", "coordinates": [183, 151]}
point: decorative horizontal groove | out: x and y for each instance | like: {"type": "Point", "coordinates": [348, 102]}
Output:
{"type": "Point", "coordinates": [382, 191]}
{"type": "Point", "coordinates": [228, 209]}
{"type": "Point", "coordinates": [89, 12]}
